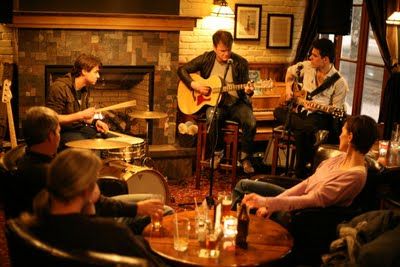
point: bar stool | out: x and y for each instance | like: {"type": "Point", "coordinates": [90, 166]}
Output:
{"type": "Point", "coordinates": [280, 139]}
{"type": "Point", "coordinates": [231, 137]}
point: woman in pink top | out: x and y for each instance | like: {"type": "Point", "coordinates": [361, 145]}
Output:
{"type": "Point", "coordinates": [336, 182]}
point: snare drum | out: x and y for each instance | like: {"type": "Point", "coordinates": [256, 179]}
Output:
{"type": "Point", "coordinates": [143, 180]}
{"type": "Point", "coordinates": [133, 154]}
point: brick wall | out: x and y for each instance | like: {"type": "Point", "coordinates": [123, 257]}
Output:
{"type": "Point", "coordinates": [194, 43]}
{"type": "Point", "coordinates": [6, 44]}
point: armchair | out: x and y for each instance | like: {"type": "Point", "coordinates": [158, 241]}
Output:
{"type": "Point", "coordinates": [27, 250]}
{"type": "Point", "coordinates": [314, 228]}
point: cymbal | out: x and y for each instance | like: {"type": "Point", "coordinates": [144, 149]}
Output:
{"type": "Point", "coordinates": [148, 114]}
{"type": "Point", "coordinates": [97, 143]}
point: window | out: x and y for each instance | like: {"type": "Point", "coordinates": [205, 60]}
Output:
{"type": "Point", "coordinates": [360, 62]}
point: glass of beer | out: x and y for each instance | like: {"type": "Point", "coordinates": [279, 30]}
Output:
{"type": "Point", "coordinates": [181, 233]}
{"type": "Point", "coordinates": [226, 202]}
{"type": "Point", "coordinates": [156, 219]}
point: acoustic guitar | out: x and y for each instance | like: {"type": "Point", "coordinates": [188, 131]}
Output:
{"type": "Point", "coordinates": [6, 98]}
{"type": "Point", "coordinates": [190, 102]}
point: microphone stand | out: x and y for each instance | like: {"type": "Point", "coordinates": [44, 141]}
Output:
{"type": "Point", "coordinates": [215, 119]}
{"type": "Point", "coordinates": [287, 128]}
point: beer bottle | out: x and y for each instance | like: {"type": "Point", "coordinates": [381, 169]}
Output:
{"type": "Point", "coordinates": [242, 227]}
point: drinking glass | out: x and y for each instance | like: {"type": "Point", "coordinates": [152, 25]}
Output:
{"type": "Point", "coordinates": [226, 202]}
{"type": "Point", "coordinates": [156, 219]}
{"type": "Point", "coordinates": [383, 147]}
{"type": "Point", "coordinates": [201, 225]}
{"type": "Point", "coordinates": [181, 234]}
{"type": "Point", "coordinates": [211, 241]}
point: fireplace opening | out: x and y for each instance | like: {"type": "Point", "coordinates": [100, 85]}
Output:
{"type": "Point", "coordinates": [118, 84]}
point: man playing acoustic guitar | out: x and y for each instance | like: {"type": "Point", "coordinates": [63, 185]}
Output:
{"type": "Point", "coordinates": [235, 104]}
{"type": "Point", "coordinates": [319, 78]}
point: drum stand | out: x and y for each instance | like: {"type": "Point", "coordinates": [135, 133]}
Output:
{"type": "Point", "coordinates": [147, 161]}
{"type": "Point", "coordinates": [148, 115]}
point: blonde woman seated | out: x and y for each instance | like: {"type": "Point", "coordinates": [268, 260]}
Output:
{"type": "Point", "coordinates": [336, 182]}
{"type": "Point", "coordinates": [64, 212]}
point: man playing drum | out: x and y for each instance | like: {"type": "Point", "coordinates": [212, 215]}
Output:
{"type": "Point", "coordinates": [69, 97]}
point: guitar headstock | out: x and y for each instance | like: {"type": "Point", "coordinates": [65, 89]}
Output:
{"type": "Point", "coordinates": [7, 95]}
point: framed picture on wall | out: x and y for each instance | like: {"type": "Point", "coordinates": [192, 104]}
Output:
{"type": "Point", "coordinates": [279, 30]}
{"type": "Point", "coordinates": [247, 22]}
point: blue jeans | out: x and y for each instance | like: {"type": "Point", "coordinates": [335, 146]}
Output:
{"type": "Point", "coordinates": [246, 186]}
{"type": "Point", "coordinates": [241, 113]}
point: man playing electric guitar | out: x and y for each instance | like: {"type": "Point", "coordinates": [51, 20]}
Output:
{"type": "Point", "coordinates": [235, 105]}
{"type": "Point", "coordinates": [326, 86]}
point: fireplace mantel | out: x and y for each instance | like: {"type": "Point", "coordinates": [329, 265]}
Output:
{"type": "Point", "coordinates": [103, 21]}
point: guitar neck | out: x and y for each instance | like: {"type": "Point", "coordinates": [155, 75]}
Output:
{"type": "Point", "coordinates": [13, 137]}
{"type": "Point", "coordinates": [324, 108]}
{"type": "Point", "coordinates": [233, 87]}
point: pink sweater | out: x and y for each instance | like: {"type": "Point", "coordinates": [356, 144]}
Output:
{"type": "Point", "coordinates": [328, 186]}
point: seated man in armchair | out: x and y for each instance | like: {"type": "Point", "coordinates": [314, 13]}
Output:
{"type": "Point", "coordinates": [41, 130]}
{"type": "Point", "coordinates": [336, 181]}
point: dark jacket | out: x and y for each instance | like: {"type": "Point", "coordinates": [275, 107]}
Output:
{"type": "Point", "coordinates": [82, 232]}
{"type": "Point", "coordinates": [204, 64]}
{"type": "Point", "coordinates": [368, 240]}
{"type": "Point", "coordinates": [30, 179]}
{"type": "Point", "coordinates": [25, 183]}
{"type": "Point", "coordinates": [63, 98]}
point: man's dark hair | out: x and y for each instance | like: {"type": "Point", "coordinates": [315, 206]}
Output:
{"type": "Point", "coordinates": [85, 62]}
{"type": "Point", "coordinates": [224, 37]}
{"type": "Point", "coordinates": [364, 130]}
{"type": "Point", "coordinates": [325, 48]}
{"type": "Point", "coordinates": [38, 123]}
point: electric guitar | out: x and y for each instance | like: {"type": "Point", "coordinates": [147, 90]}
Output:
{"type": "Point", "coordinates": [300, 98]}
{"type": "Point", "coordinates": [6, 98]}
{"type": "Point", "coordinates": [190, 102]}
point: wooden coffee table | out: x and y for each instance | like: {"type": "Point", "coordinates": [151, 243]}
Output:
{"type": "Point", "coordinates": [267, 242]}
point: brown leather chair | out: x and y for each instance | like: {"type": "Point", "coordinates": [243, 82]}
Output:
{"type": "Point", "coordinates": [27, 250]}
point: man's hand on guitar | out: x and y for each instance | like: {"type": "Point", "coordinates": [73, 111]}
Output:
{"type": "Point", "coordinates": [310, 106]}
{"type": "Point", "coordinates": [249, 88]}
{"type": "Point", "coordinates": [201, 89]}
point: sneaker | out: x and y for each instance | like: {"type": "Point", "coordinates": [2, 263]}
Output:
{"type": "Point", "coordinates": [247, 167]}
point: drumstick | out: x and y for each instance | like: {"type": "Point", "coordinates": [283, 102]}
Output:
{"type": "Point", "coordinates": [126, 104]}
{"type": "Point", "coordinates": [118, 134]}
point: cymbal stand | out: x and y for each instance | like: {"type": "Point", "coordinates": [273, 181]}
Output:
{"type": "Point", "coordinates": [147, 161]}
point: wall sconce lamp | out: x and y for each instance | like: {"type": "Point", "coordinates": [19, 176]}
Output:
{"type": "Point", "coordinates": [221, 9]}
{"type": "Point", "coordinates": [394, 20]}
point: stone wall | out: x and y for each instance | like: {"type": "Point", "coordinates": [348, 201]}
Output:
{"type": "Point", "coordinates": [193, 43]}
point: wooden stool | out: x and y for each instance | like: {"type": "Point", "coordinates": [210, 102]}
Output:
{"type": "Point", "coordinates": [280, 140]}
{"type": "Point", "coordinates": [231, 137]}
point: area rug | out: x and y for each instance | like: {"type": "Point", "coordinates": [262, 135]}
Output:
{"type": "Point", "coordinates": [183, 193]}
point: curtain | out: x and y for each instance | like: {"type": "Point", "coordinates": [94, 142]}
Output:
{"type": "Point", "coordinates": [378, 11]}
{"type": "Point", "coordinates": [377, 14]}
{"type": "Point", "coordinates": [309, 30]}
